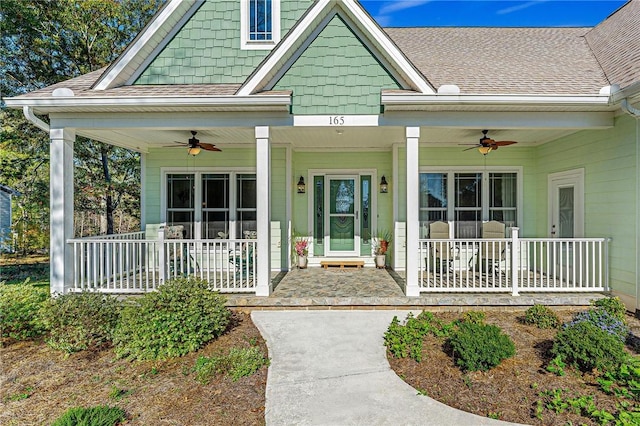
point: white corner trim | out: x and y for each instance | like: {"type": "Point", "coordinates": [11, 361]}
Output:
{"type": "Point", "coordinates": [276, 28]}
{"type": "Point", "coordinates": [122, 63]}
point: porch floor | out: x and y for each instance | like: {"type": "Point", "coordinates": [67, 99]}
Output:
{"type": "Point", "coordinates": [371, 288]}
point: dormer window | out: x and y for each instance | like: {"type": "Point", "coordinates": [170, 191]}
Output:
{"type": "Point", "coordinates": [260, 24]}
{"type": "Point", "coordinates": [260, 20]}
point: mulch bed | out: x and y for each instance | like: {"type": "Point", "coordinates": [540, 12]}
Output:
{"type": "Point", "coordinates": [151, 393]}
{"type": "Point", "coordinates": [509, 391]}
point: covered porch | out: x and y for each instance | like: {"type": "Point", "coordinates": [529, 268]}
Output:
{"type": "Point", "coordinates": [272, 151]}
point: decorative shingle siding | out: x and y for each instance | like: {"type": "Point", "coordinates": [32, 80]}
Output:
{"type": "Point", "coordinates": [207, 49]}
{"type": "Point", "coordinates": [336, 75]}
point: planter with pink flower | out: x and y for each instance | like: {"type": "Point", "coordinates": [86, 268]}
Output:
{"type": "Point", "coordinates": [301, 247]}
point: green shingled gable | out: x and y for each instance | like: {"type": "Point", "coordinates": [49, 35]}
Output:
{"type": "Point", "coordinates": [336, 74]}
{"type": "Point", "coordinates": [207, 49]}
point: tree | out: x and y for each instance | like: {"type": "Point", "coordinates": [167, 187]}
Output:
{"type": "Point", "coordinates": [43, 43]}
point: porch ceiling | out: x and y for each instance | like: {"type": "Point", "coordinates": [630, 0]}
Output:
{"type": "Point", "coordinates": [318, 138]}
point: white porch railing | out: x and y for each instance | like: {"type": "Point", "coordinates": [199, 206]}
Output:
{"type": "Point", "coordinates": [513, 265]}
{"type": "Point", "coordinates": [135, 265]}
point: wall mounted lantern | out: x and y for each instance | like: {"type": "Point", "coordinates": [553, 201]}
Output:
{"type": "Point", "coordinates": [301, 186]}
{"type": "Point", "coordinates": [384, 186]}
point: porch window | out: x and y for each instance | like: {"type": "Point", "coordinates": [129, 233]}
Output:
{"type": "Point", "coordinates": [181, 202]}
{"type": "Point", "coordinates": [260, 24]}
{"type": "Point", "coordinates": [212, 205]}
{"type": "Point", "coordinates": [468, 199]}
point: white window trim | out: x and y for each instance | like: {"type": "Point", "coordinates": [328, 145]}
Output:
{"type": "Point", "coordinates": [518, 170]}
{"type": "Point", "coordinates": [198, 172]}
{"type": "Point", "coordinates": [245, 42]}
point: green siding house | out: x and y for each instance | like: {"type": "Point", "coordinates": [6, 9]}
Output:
{"type": "Point", "coordinates": [499, 159]}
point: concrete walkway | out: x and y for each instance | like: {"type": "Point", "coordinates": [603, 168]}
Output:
{"type": "Point", "coordinates": [330, 368]}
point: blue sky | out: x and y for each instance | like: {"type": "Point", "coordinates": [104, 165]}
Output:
{"type": "Point", "coordinates": [490, 13]}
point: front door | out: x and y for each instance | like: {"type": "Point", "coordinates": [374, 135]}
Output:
{"type": "Point", "coordinates": [566, 221]}
{"type": "Point", "coordinates": [342, 220]}
{"type": "Point", "coordinates": [566, 194]}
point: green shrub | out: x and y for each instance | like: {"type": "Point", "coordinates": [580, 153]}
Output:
{"type": "Point", "coordinates": [81, 321]}
{"type": "Point", "coordinates": [541, 316]}
{"type": "Point", "coordinates": [177, 319]}
{"type": "Point", "coordinates": [240, 362]}
{"type": "Point", "coordinates": [405, 340]}
{"type": "Point", "coordinates": [480, 346]}
{"type": "Point", "coordinates": [20, 306]}
{"type": "Point", "coordinates": [91, 416]}
{"type": "Point", "coordinates": [475, 317]}
{"type": "Point", "coordinates": [613, 305]}
{"type": "Point", "coordinates": [586, 346]}
{"type": "Point", "coordinates": [602, 319]}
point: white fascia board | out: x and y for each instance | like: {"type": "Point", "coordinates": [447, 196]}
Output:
{"type": "Point", "coordinates": [148, 101]}
{"type": "Point", "coordinates": [389, 100]}
{"type": "Point", "coordinates": [395, 55]}
{"type": "Point", "coordinates": [113, 74]}
{"type": "Point", "coordinates": [285, 46]}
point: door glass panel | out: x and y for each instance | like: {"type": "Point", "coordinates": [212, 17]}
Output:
{"type": "Point", "coordinates": [216, 224]}
{"type": "Point", "coordinates": [566, 212]}
{"type": "Point", "coordinates": [342, 214]}
{"type": "Point", "coordinates": [318, 220]}
{"type": "Point", "coordinates": [365, 221]}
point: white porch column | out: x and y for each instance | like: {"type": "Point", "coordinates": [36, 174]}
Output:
{"type": "Point", "coordinates": [263, 207]}
{"type": "Point", "coordinates": [413, 210]}
{"type": "Point", "coordinates": [61, 208]}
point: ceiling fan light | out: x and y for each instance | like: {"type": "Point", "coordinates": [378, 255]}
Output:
{"type": "Point", "coordinates": [194, 150]}
{"type": "Point", "coordinates": [484, 150]}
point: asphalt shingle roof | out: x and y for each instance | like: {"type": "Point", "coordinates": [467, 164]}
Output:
{"type": "Point", "coordinates": [503, 60]}
{"type": "Point", "coordinates": [616, 44]}
{"type": "Point", "coordinates": [561, 61]}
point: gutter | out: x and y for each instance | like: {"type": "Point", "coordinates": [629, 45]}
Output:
{"type": "Point", "coordinates": [460, 99]}
{"type": "Point", "coordinates": [29, 115]}
{"type": "Point", "coordinates": [626, 107]}
{"type": "Point", "coordinates": [124, 103]}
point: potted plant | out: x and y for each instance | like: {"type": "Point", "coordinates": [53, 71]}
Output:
{"type": "Point", "coordinates": [301, 246]}
{"type": "Point", "coordinates": [380, 246]}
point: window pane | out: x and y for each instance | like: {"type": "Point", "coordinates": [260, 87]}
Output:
{"type": "Point", "coordinates": [214, 223]}
{"type": "Point", "coordinates": [260, 20]}
{"type": "Point", "coordinates": [247, 224]}
{"type": "Point", "coordinates": [247, 191]}
{"type": "Point", "coordinates": [508, 217]}
{"type": "Point", "coordinates": [215, 191]}
{"type": "Point", "coordinates": [181, 218]}
{"type": "Point", "coordinates": [433, 190]}
{"type": "Point", "coordinates": [503, 189]}
{"type": "Point", "coordinates": [468, 190]}
{"type": "Point", "coordinates": [468, 224]}
{"type": "Point", "coordinates": [180, 191]}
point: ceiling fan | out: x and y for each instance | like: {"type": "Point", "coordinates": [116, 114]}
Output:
{"type": "Point", "coordinates": [485, 145]}
{"type": "Point", "coordinates": [194, 145]}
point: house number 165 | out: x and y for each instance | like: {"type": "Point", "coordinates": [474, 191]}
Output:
{"type": "Point", "coordinates": [336, 120]}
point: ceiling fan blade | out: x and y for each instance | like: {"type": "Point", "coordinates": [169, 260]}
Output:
{"type": "Point", "coordinates": [209, 147]}
{"type": "Point", "coordinates": [503, 143]}
{"type": "Point", "coordinates": [473, 147]}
